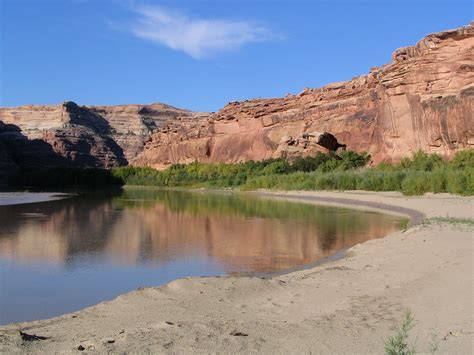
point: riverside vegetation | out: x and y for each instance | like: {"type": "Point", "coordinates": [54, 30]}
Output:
{"type": "Point", "coordinates": [347, 171]}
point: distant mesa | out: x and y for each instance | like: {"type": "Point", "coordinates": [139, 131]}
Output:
{"type": "Point", "coordinates": [423, 100]}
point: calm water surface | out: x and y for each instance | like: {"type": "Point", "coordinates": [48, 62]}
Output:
{"type": "Point", "coordinates": [60, 256]}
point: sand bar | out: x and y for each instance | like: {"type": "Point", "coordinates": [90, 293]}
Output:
{"type": "Point", "coordinates": [18, 198]}
{"type": "Point", "coordinates": [349, 305]}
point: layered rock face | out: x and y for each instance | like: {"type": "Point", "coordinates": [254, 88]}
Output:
{"type": "Point", "coordinates": [17, 151]}
{"type": "Point", "coordinates": [422, 100]}
{"type": "Point", "coordinates": [98, 136]}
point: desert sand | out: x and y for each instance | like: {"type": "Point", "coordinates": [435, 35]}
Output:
{"type": "Point", "coordinates": [350, 305]}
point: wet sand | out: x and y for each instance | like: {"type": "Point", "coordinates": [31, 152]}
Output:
{"type": "Point", "coordinates": [345, 306]}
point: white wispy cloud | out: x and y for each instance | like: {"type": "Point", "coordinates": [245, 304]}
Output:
{"type": "Point", "coordinates": [198, 37]}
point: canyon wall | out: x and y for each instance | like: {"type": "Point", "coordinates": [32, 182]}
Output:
{"type": "Point", "coordinates": [93, 136]}
{"type": "Point", "coordinates": [17, 151]}
{"type": "Point", "coordinates": [422, 100]}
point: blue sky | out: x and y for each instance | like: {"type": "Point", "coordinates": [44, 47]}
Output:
{"type": "Point", "coordinates": [201, 54]}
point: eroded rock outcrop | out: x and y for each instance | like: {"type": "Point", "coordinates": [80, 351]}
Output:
{"type": "Point", "coordinates": [97, 136]}
{"type": "Point", "coordinates": [422, 100]}
{"type": "Point", "coordinates": [19, 152]}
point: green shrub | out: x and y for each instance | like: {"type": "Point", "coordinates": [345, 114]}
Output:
{"type": "Point", "coordinates": [461, 181]}
{"type": "Point", "coordinates": [392, 181]}
{"type": "Point", "coordinates": [422, 161]}
{"type": "Point", "coordinates": [329, 165]}
{"type": "Point", "coordinates": [438, 180]}
{"type": "Point", "coordinates": [277, 167]}
{"type": "Point", "coordinates": [416, 183]}
{"type": "Point", "coordinates": [386, 166]}
{"type": "Point", "coordinates": [353, 160]}
{"type": "Point", "coordinates": [413, 176]}
{"type": "Point", "coordinates": [372, 180]}
{"type": "Point", "coordinates": [308, 164]}
{"type": "Point", "coordinates": [346, 180]}
{"type": "Point", "coordinates": [325, 182]}
{"type": "Point", "coordinates": [463, 159]}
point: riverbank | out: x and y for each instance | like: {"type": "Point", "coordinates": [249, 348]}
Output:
{"type": "Point", "coordinates": [349, 305]}
{"type": "Point", "coordinates": [18, 198]}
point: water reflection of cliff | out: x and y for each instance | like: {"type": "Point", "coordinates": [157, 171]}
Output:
{"type": "Point", "coordinates": [152, 226]}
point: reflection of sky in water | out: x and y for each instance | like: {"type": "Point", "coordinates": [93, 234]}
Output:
{"type": "Point", "coordinates": [61, 256]}
{"type": "Point", "coordinates": [42, 290]}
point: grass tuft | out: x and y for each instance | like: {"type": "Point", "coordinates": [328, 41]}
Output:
{"type": "Point", "coordinates": [450, 220]}
{"type": "Point", "coordinates": [397, 344]}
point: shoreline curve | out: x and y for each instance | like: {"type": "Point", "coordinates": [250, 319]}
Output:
{"type": "Point", "coordinates": [328, 308]}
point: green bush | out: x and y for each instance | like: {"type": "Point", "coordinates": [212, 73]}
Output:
{"type": "Point", "coordinates": [345, 180]}
{"type": "Point", "coordinates": [392, 181]}
{"type": "Point", "coordinates": [236, 174]}
{"type": "Point", "coordinates": [308, 164]}
{"type": "Point", "coordinates": [416, 183]}
{"type": "Point", "coordinates": [463, 159]}
{"type": "Point", "coordinates": [329, 165]}
{"type": "Point", "coordinates": [277, 167]}
{"type": "Point", "coordinates": [413, 176]}
{"type": "Point", "coordinates": [353, 160]}
{"type": "Point", "coordinates": [371, 180]}
{"type": "Point", "coordinates": [438, 180]}
{"type": "Point", "coordinates": [461, 181]}
{"type": "Point", "coordinates": [422, 161]}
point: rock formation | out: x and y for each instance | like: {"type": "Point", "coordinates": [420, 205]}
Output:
{"type": "Point", "coordinates": [17, 151]}
{"type": "Point", "coordinates": [96, 136]}
{"type": "Point", "coordinates": [422, 100]}
{"type": "Point", "coordinates": [323, 139]}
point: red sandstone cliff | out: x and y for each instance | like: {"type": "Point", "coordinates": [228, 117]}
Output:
{"type": "Point", "coordinates": [422, 100]}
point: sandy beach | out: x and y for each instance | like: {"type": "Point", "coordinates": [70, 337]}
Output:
{"type": "Point", "coordinates": [350, 305]}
